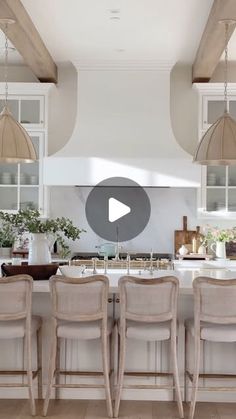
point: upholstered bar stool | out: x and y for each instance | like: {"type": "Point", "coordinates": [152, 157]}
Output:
{"type": "Point", "coordinates": [148, 310]}
{"type": "Point", "coordinates": [16, 322]}
{"type": "Point", "coordinates": [214, 321]}
{"type": "Point", "coordinates": [79, 308]}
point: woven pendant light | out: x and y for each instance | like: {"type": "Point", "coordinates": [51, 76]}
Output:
{"type": "Point", "coordinates": [15, 143]}
{"type": "Point", "coordinates": [218, 145]}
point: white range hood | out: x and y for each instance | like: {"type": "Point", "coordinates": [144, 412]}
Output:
{"type": "Point", "coordinates": [123, 129]}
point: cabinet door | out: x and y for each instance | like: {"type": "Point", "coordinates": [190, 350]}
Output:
{"type": "Point", "coordinates": [216, 188]}
{"type": "Point", "coordinates": [216, 199]}
{"type": "Point", "coordinates": [232, 106]}
{"type": "Point", "coordinates": [28, 110]}
{"type": "Point", "coordinates": [13, 105]}
{"type": "Point", "coordinates": [30, 177]}
{"type": "Point", "coordinates": [232, 188]}
{"type": "Point", "coordinates": [31, 112]}
{"type": "Point", "coordinates": [8, 187]}
{"type": "Point", "coordinates": [9, 198]}
{"type": "Point", "coordinates": [213, 108]}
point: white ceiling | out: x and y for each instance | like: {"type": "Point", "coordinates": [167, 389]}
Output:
{"type": "Point", "coordinates": [77, 30]}
{"type": "Point", "coordinates": [231, 48]}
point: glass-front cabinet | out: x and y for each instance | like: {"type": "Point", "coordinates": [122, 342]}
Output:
{"type": "Point", "coordinates": [29, 111]}
{"type": "Point", "coordinates": [217, 197]}
{"type": "Point", "coordinates": [21, 185]}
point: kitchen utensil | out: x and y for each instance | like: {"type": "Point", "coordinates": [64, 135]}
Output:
{"type": "Point", "coordinates": [185, 236]}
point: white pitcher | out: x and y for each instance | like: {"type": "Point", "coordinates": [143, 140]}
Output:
{"type": "Point", "coordinates": [219, 249]}
{"type": "Point", "coordinates": [39, 253]}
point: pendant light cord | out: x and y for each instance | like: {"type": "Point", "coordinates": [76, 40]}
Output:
{"type": "Point", "coordinates": [226, 69]}
{"type": "Point", "coordinates": [6, 64]}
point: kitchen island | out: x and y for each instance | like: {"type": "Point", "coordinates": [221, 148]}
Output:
{"type": "Point", "coordinates": [145, 356]}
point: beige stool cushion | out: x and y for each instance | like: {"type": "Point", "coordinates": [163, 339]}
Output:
{"type": "Point", "coordinates": [150, 332]}
{"type": "Point", "coordinates": [214, 332]}
{"type": "Point", "coordinates": [82, 330]}
{"type": "Point", "coordinates": [16, 328]}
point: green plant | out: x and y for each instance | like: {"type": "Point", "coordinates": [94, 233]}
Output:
{"type": "Point", "coordinates": [7, 234]}
{"type": "Point", "coordinates": [216, 234]}
{"type": "Point", "coordinates": [29, 221]}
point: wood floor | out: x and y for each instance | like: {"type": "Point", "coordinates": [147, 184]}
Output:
{"type": "Point", "coordinates": [77, 409]}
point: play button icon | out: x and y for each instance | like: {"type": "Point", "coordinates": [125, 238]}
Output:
{"type": "Point", "coordinates": [117, 209]}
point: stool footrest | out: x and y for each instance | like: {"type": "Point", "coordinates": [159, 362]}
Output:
{"type": "Point", "coordinates": [78, 385]}
{"type": "Point", "coordinates": [19, 372]}
{"type": "Point", "coordinates": [14, 385]}
{"type": "Point", "coordinates": [83, 373]}
{"type": "Point", "coordinates": [148, 373]}
{"type": "Point", "coordinates": [148, 386]}
{"type": "Point", "coordinates": [220, 376]}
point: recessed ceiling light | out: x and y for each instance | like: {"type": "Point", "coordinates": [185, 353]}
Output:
{"type": "Point", "coordinates": [114, 11]}
{"type": "Point", "coordinates": [114, 14]}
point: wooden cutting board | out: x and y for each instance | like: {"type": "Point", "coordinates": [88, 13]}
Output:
{"type": "Point", "coordinates": [185, 236]}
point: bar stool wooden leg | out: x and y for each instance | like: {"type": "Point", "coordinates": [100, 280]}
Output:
{"type": "Point", "coordinates": [122, 348]}
{"type": "Point", "coordinates": [29, 374]}
{"type": "Point", "coordinates": [114, 342]}
{"type": "Point", "coordinates": [51, 371]}
{"type": "Point", "coordinates": [175, 372]}
{"type": "Point", "coordinates": [197, 343]}
{"type": "Point", "coordinates": [185, 364]}
{"type": "Point", "coordinates": [106, 374]}
{"type": "Point", "coordinates": [57, 378]}
{"type": "Point", "coordinates": [39, 362]}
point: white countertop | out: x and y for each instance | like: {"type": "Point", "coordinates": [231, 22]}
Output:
{"type": "Point", "coordinates": [185, 276]}
{"type": "Point", "coordinates": [184, 270]}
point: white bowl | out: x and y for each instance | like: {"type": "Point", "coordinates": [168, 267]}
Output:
{"type": "Point", "coordinates": [72, 271]}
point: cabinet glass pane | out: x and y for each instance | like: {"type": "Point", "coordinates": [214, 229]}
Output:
{"type": "Point", "coordinates": [8, 174]}
{"type": "Point", "coordinates": [232, 199]}
{"type": "Point", "coordinates": [30, 111]}
{"type": "Point", "coordinates": [29, 172]}
{"type": "Point", "coordinates": [8, 198]}
{"type": "Point", "coordinates": [215, 200]}
{"type": "Point", "coordinates": [13, 106]}
{"type": "Point", "coordinates": [232, 175]}
{"type": "Point", "coordinates": [215, 109]}
{"type": "Point", "coordinates": [232, 108]}
{"type": "Point", "coordinates": [216, 176]}
{"type": "Point", "coordinates": [29, 198]}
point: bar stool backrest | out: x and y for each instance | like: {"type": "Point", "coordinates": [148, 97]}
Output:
{"type": "Point", "coordinates": [214, 300]}
{"type": "Point", "coordinates": [15, 297]}
{"type": "Point", "coordinates": [79, 299]}
{"type": "Point", "coordinates": [148, 300]}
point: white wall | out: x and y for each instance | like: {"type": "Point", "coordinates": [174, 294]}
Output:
{"type": "Point", "coordinates": [62, 108]}
{"type": "Point", "coordinates": [168, 205]}
{"type": "Point", "coordinates": [184, 107]}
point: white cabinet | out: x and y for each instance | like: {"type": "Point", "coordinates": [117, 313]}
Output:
{"type": "Point", "coordinates": [217, 197]}
{"type": "Point", "coordinates": [21, 185]}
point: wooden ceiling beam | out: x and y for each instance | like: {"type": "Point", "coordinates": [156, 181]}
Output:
{"type": "Point", "coordinates": [213, 40]}
{"type": "Point", "coordinates": [26, 39]}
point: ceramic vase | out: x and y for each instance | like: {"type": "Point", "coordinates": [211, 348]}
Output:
{"type": "Point", "coordinates": [219, 249]}
{"type": "Point", "coordinates": [183, 250]}
{"type": "Point", "coordinates": [39, 253]}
